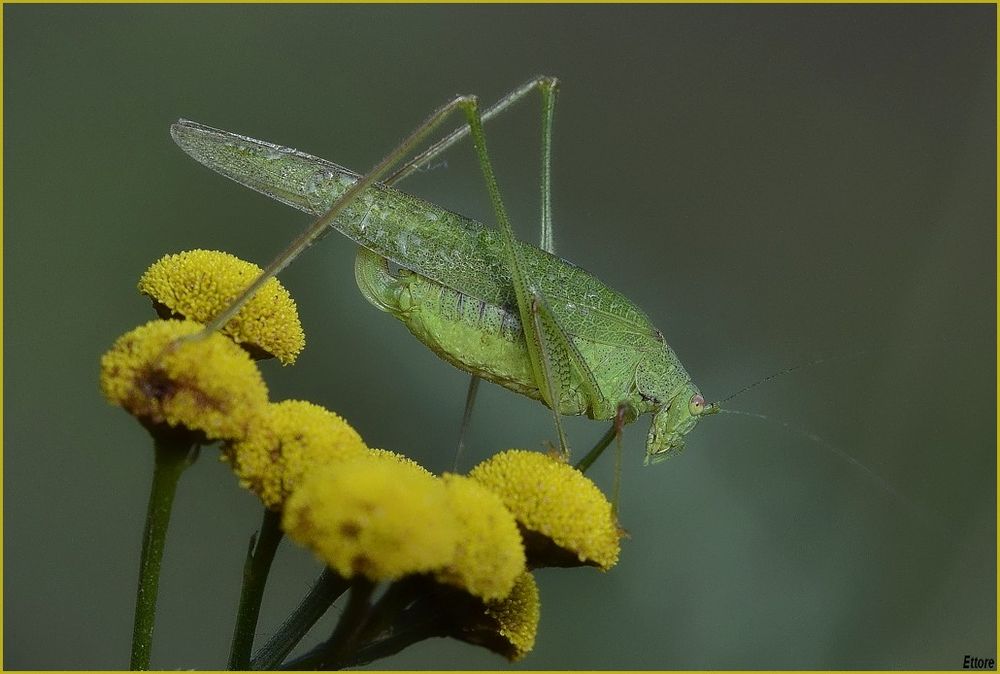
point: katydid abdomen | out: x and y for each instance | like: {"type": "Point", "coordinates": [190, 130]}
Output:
{"type": "Point", "coordinates": [459, 298]}
{"type": "Point", "coordinates": [487, 340]}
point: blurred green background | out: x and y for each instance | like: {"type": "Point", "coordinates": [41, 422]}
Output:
{"type": "Point", "coordinates": [773, 184]}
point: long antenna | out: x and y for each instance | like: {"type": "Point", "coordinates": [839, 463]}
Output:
{"type": "Point", "coordinates": [788, 370]}
{"type": "Point", "coordinates": [885, 485]}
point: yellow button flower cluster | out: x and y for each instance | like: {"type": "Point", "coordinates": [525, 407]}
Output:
{"type": "Point", "coordinates": [287, 440]}
{"type": "Point", "coordinates": [490, 555]}
{"type": "Point", "coordinates": [355, 515]}
{"type": "Point", "coordinates": [390, 455]}
{"type": "Point", "coordinates": [384, 518]}
{"type": "Point", "coordinates": [516, 617]}
{"type": "Point", "coordinates": [367, 513]}
{"type": "Point", "coordinates": [558, 504]}
{"type": "Point", "coordinates": [209, 386]}
{"type": "Point", "coordinates": [380, 519]}
{"type": "Point", "coordinates": [199, 284]}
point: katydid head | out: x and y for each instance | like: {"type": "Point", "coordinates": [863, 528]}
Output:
{"type": "Point", "coordinates": [673, 422]}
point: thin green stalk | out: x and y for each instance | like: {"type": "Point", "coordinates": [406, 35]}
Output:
{"type": "Point", "coordinates": [173, 455]}
{"type": "Point", "coordinates": [357, 628]}
{"type": "Point", "coordinates": [399, 639]}
{"type": "Point", "coordinates": [602, 444]}
{"type": "Point", "coordinates": [399, 620]}
{"type": "Point", "coordinates": [345, 636]}
{"type": "Point", "coordinates": [327, 588]}
{"type": "Point", "coordinates": [255, 573]}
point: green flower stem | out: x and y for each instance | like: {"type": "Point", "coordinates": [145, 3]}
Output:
{"type": "Point", "coordinates": [602, 444]}
{"type": "Point", "coordinates": [359, 624]}
{"type": "Point", "coordinates": [412, 626]}
{"type": "Point", "coordinates": [327, 588]}
{"type": "Point", "coordinates": [347, 633]}
{"type": "Point", "coordinates": [395, 643]}
{"type": "Point", "coordinates": [255, 572]}
{"type": "Point", "coordinates": [388, 608]}
{"type": "Point", "coordinates": [352, 623]}
{"type": "Point", "coordinates": [173, 454]}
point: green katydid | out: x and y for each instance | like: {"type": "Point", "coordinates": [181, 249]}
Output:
{"type": "Point", "coordinates": [496, 307]}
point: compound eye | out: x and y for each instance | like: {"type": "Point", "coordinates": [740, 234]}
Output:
{"type": "Point", "coordinates": [697, 404]}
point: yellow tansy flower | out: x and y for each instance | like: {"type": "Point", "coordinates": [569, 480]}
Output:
{"type": "Point", "coordinates": [517, 616]}
{"type": "Point", "coordinates": [389, 455]}
{"type": "Point", "coordinates": [506, 626]}
{"type": "Point", "coordinates": [566, 518]}
{"type": "Point", "coordinates": [207, 385]}
{"type": "Point", "coordinates": [374, 518]}
{"type": "Point", "coordinates": [199, 284]}
{"type": "Point", "coordinates": [285, 442]}
{"type": "Point", "coordinates": [490, 554]}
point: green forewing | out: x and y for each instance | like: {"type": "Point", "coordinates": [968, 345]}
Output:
{"type": "Point", "coordinates": [443, 246]}
{"type": "Point", "coordinates": [418, 235]}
